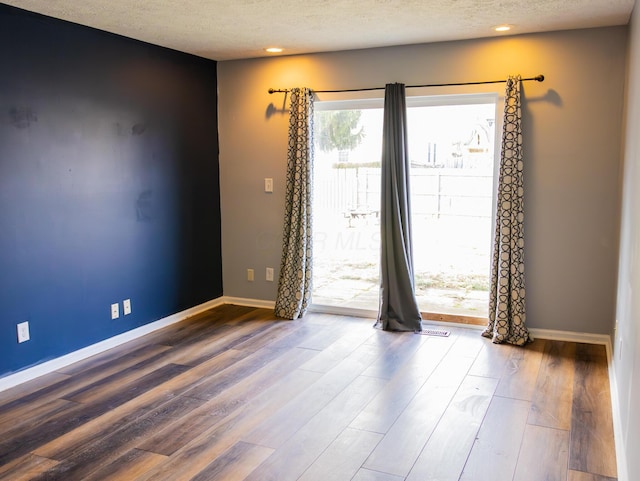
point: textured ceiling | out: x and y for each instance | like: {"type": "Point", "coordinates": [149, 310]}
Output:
{"type": "Point", "coordinates": [233, 29]}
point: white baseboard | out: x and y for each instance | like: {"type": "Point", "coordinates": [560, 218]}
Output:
{"type": "Point", "coordinates": [62, 361]}
{"type": "Point", "coordinates": [571, 336]}
{"type": "Point", "coordinates": [242, 301]}
{"type": "Point", "coordinates": [621, 456]}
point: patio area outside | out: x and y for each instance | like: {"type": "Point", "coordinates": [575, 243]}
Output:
{"type": "Point", "coordinates": [450, 263]}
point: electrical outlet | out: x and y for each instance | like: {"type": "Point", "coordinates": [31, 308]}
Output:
{"type": "Point", "coordinates": [115, 311]}
{"type": "Point", "coordinates": [269, 274]}
{"type": "Point", "coordinates": [268, 185]}
{"type": "Point", "coordinates": [23, 331]}
{"type": "Point", "coordinates": [250, 275]}
{"type": "Point", "coordinates": [126, 307]}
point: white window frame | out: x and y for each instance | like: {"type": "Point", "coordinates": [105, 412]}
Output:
{"type": "Point", "coordinates": [421, 99]}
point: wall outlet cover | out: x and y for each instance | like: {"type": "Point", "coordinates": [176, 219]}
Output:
{"type": "Point", "coordinates": [23, 331]}
{"type": "Point", "coordinates": [115, 311]}
{"type": "Point", "coordinates": [126, 307]}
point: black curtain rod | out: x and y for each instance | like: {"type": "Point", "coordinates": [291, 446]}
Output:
{"type": "Point", "coordinates": [537, 78]}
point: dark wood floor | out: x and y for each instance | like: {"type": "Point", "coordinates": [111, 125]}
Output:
{"type": "Point", "coordinates": [236, 395]}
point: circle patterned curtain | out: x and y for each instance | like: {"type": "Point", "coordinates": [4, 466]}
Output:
{"type": "Point", "coordinates": [507, 294]}
{"type": "Point", "coordinates": [294, 282]}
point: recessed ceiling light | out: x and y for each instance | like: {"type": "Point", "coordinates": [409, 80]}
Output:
{"type": "Point", "coordinates": [274, 49]}
{"type": "Point", "coordinates": [502, 28]}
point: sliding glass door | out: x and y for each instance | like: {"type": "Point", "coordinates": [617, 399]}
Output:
{"type": "Point", "coordinates": [451, 148]}
{"type": "Point", "coordinates": [451, 143]}
{"type": "Point", "coordinates": [347, 204]}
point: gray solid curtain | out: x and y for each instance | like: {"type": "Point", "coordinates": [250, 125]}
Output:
{"type": "Point", "coordinates": [294, 282]}
{"type": "Point", "coordinates": [398, 305]}
{"type": "Point", "coordinates": [507, 295]}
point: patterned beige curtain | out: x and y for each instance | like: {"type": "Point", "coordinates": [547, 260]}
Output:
{"type": "Point", "coordinates": [294, 283]}
{"type": "Point", "coordinates": [507, 295]}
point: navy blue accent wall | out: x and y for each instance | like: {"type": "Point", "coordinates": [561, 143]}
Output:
{"type": "Point", "coordinates": [109, 185]}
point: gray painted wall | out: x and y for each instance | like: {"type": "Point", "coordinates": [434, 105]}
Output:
{"type": "Point", "coordinates": [626, 350]}
{"type": "Point", "coordinates": [572, 148]}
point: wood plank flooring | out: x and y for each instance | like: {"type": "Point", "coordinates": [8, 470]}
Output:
{"type": "Point", "coordinates": [236, 394]}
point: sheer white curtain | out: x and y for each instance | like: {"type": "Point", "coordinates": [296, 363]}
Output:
{"type": "Point", "coordinates": [294, 283]}
{"type": "Point", "coordinates": [507, 294]}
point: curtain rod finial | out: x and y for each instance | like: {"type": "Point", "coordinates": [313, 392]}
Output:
{"type": "Point", "coordinates": [271, 91]}
{"type": "Point", "coordinates": [539, 78]}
